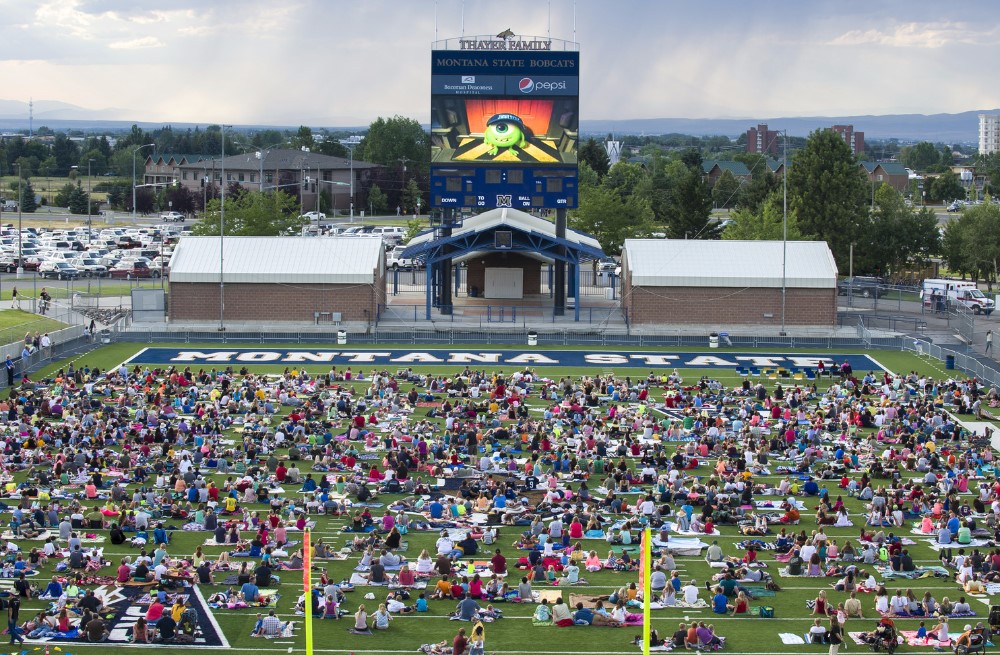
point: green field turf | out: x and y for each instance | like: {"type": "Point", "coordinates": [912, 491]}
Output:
{"type": "Point", "coordinates": [515, 633]}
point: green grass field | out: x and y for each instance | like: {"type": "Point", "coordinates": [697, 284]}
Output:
{"type": "Point", "coordinates": [515, 633]}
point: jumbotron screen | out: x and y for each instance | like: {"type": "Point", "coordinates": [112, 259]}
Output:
{"type": "Point", "coordinates": [504, 129]}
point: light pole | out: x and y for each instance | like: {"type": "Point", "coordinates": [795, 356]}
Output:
{"type": "Point", "coordinates": [222, 237]}
{"type": "Point", "coordinates": [20, 239]}
{"type": "Point", "coordinates": [89, 183]}
{"type": "Point", "coordinates": [134, 152]}
{"type": "Point", "coordinates": [349, 144]}
{"type": "Point", "coordinates": [784, 225]}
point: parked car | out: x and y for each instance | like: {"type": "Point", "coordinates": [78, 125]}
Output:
{"type": "Point", "coordinates": [395, 260]}
{"type": "Point", "coordinates": [172, 217]}
{"type": "Point", "coordinates": [10, 265]}
{"type": "Point", "coordinates": [60, 270]}
{"type": "Point", "coordinates": [607, 264]}
{"type": "Point", "coordinates": [314, 216]}
{"type": "Point", "coordinates": [866, 287]}
{"type": "Point", "coordinates": [91, 267]}
{"type": "Point", "coordinates": [134, 269]}
{"type": "Point", "coordinates": [391, 234]}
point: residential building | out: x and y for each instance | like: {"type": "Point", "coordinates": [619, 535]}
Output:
{"type": "Point", "coordinates": [892, 173]}
{"type": "Point", "coordinates": [989, 133]}
{"type": "Point", "coordinates": [165, 169]}
{"type": "Point", "coordinates": [856, 140]}
{"type": "Point", "coordinates": [300, 173]}
{"type": "Point", "coordinates": [762, 140]}
{"type": "Point", "coordinates": [714, 169]}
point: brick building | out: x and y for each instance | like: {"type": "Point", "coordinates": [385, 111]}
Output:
{"type": "Point", "coordinates": [762, 140]}
{"type": "Point", "coordinates": [855, 140]}
{"type": "Point", "coordinates": [305, 175]}
{"type": "Point", "coordinates": [728, 283]}
{"type": "Point", "coordinates": [275, 279]}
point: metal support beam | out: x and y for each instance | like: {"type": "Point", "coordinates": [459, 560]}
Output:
{"type": "Point", "coordinates": [576, 291]}
{"type": "Point", "coordinates": [444, 273]}
{"type": "Point", "coordinates": [430, 289]}
{"type": "Point", "coordinates": [559, 304]}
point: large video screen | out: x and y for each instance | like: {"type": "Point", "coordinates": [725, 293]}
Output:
{"type": "Point", "coordinates": [504, 129]}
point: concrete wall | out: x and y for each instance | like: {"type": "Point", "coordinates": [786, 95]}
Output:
{"type": "Point", "coordinates": [724, 306]}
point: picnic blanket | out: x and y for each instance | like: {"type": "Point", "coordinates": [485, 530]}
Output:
{"type": "Point", "coordinates": [588, 600]}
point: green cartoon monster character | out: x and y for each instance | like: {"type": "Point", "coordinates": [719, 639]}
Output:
{"type": "Point", "coordinates": [505, 131]}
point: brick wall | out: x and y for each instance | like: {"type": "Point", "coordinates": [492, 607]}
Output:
{"type": "Point", "coordinates": [199, 301]}
{"type": "Point", "coordinates": [532, 270]}
{"type": "Point", "coordinates": [727, 306]}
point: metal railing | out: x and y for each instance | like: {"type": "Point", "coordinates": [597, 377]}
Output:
{"type": "Point", "coordinates": [484, 315]}
{"type": "Point", "coordinates": [592, 283]}
{"type": "Point", "coordinates": [987, 371]}
{"type": "Point", "coordinates": [597, 336]}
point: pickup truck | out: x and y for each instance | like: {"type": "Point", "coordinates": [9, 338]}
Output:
{"type": "Point", "coordinates": [866, 287]}
{"type": "Point", "coordinates": [396, 261]}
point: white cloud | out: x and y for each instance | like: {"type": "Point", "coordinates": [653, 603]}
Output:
{"type": "Point", "coordinates": [136, 44]}
{"type": "Point", "coordinates": [919, 35]}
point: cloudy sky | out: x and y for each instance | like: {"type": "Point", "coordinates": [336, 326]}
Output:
{"type": "Point", "coordinates": [334, 62]}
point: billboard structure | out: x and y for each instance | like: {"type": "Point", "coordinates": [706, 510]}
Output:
{"type": "Point", "coordinates": [504, 123]}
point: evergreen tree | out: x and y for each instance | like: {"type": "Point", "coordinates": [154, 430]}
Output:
{"type": "Point", "coordinates": [830, 194]}
{"type": "Point", "coordinates": [28, 204]}
{"type": "Point", "coordinates": [78, 200]}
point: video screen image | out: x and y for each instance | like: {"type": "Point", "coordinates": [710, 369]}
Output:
{"type": "Point", "coordinates": [506, 130]}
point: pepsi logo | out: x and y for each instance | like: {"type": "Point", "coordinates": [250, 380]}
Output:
{"type": "Point", "coordinates": [526, 85]}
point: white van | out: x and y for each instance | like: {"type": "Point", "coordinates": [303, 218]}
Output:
{"type": "Point", "coordinates": [391, 234]}
{"type": "Point", "coordinates": [957, 292]}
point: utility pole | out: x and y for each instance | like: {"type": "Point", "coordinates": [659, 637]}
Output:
{"type": "Point", "coordinates": [222, 237]}
{"type": "Point", "coordinates": [89, 213]}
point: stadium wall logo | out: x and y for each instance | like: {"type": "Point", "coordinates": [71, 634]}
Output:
{"type": "Point", "coordinates": [646, 359]}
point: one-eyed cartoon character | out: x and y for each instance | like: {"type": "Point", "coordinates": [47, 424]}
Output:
{"type": "Point", "coordinates": [505, 131]}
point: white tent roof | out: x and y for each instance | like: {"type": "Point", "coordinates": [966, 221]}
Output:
{"type": "Point", "coordinates": [704, 263]}
{"type": "Point", "coordinates": [325, 260]}
{"type": "Point", "coordinates": [513, 218]}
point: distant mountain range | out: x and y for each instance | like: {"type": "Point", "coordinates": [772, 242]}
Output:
{"type": "Point", "coordinates": [951, 128]}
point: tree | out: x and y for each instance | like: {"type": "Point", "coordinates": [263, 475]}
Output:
{"type": "Point", "coordinates": [610, 218]}
{"type": "Point", "coordinates": [760, 187]}
{"type": "Point", "coordinates": [180, 199]}
{"type": "Point", "coordinates": [65, 193]}
{"type": "Point", "coordinates": [829, 194]}
{"type": "Point", "coordinates": [764, 224]}
{"type": "Point", "coordinates": [253, 214]}
{"type": "Point", "coordinates": [594, 154]}
{"type": "Point", "coordinates": [377, 200]}
{"type": "Point", "coordinates": [726, 192]}
{"type": "Point", "coordinates": [624, 178]}
{"type": "Point", "coordinates": [899, 235]}
{"type": "Point", "coordinates": [78, 200]}
{"type": "Point", "coordinates": [412, 197]}
{"type": "Point", "coordinates": [920, 157]}
{"type": "Point", "coordinates": [690, 210]}
{"type": "Point", "coordinates": [28, 204]}
{"type": "Point", "coordinates": [303, 138]}
{"type": "Point", "coordinates": [972, 242]}
{"type": "Point", "coordinates": [945, 187]}
{"type": "Point", "coordinates": [391, 139]}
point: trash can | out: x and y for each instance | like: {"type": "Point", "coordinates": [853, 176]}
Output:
{"type": "Point", "coordinates": [105, 336]}
{"type": "Point", "coordinates": [949, 362]}
{"type": "Point", "coordinates": [341, 337]}
{"type": "Point", "coordinates": [532, 338]}
{"type": "Point", "coordinates": [713, 340]}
